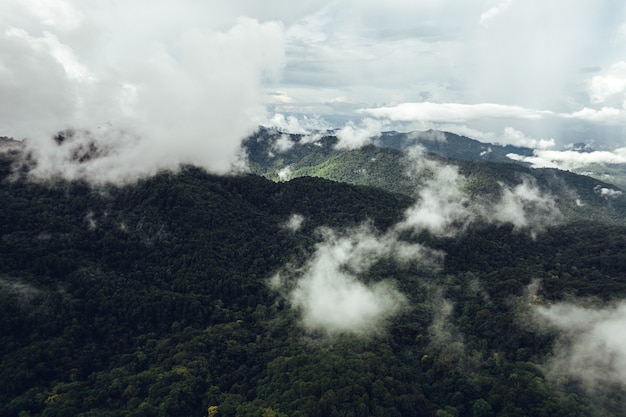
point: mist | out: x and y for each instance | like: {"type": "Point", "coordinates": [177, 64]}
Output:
{"type": "Point", "coordinates": [186, 98]}
{"type": "Point", "coordinates": [328, 290]}
{"type": "Point", "coordinates": [591, 346]}
{"type": "Point", "coordinates": [444, 208]}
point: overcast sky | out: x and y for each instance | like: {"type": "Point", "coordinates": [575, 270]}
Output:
{"type": "Point", "coordinates": [532, 72]}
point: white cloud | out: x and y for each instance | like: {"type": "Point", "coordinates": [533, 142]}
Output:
{"type": "Point", "coordinates": [283, 143]}
{"type": "Point", "coordinates": [444, 208]}
{"type": "Point", "coordinates": [382, 57]}
{"type": "Point", "coordinates": [570, 160]}
{"type": "Point", "coordinates": [190, 101]}
{"type": "Point", "coordinates": [294, 223]}
{"type": "Point", "coordinates": [285, 174]}
{"type": "Point", "coordinates": [353, 136]}
{"type": "Point", "coordinates": [281, 97]}
{"type": "Point", "coordinates": [526, 207]}
{"type": "Point", "coordinates": [492, 12]}
{"type": "Point", "coordinates": [593, 344]}
{"type": "Point", "coordinates": [328, 290]}
{"type": "Point", "coordinates": [515, 137]}
{"type": "Point", "coordinates": [60, 14]}
{"type": "Point", "coordinates": [609, 115]}
{"type": "Point", "coordinates": [305, 125]}
{"type": "Point", "coordinates": [612, 82]}
{"type": "Point", "coordinates": [608, 192]}
{"type": "Point", "coordinates": [452, 112]}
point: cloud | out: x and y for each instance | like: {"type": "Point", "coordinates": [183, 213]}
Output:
{"type": "Point", "coordinates": [570, 159]}
{"type": "Point", "coordinates": [353, 136]}
{"type": "Point", "coordinates": [526, 207]}
{"type": "Point", "coordinates": [294, 223]}
{"type": "Point", "coordinates": [607, 192]}
{"type": "Point", "coordinates": [608, 84]}
{"type": "Point", "coordinates": [59, 14]}
{"type": "Point", "coordinates": [491, 13]}
{"type": "Point", "coordinates": [608, 115]}
{"type": "Point", "coordinates": [329, 292]}
{"type": "Point", "coordinates": [283, 143]}
{"type": "Point", "coordinates": [285, 174]}
{"type": "Point", "coordinates": [310, 127]}
{"type": "Point", "coordinates": [452, 112]}
{"type": "Point", "coordinates": [444, 208]}
{"type": "Point", "coordinates": [592, 343]}
{"type": "Point", "coordinates": [21, 291]}
{"type": "Point", "coordinates": [515, 137]}
{"type": "Point", "coordinates": [186, 95]}
{"type": "Point", "coordinates": [442, 332]}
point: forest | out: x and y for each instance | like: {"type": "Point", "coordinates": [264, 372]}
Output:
{"type": "Point", "coordinates": [177, 295]}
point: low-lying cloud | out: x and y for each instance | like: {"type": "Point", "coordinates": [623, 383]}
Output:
{"type": "Point", "coordinates": [452, 112]}
{"type": "Point", "coordinates": [526, 207]}
{"type": "Point", "coordinates": [444, 208]}
{"type": "Point", "coordinates": [329, 291]}
{"type": "Point", "coordinates": [353, 136]}
{"type": "Point", "coordinates": [571, 159]}
{"type": "Point", "coordinates": [189, 98]}
{"type": "Point", "coordinates": [592, 342]}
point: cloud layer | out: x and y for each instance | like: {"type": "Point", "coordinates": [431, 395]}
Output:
{"type": "Point", "coordinates": [328, 289]}
{"type": "Point", "coordinates": [185, 82]}
{"type": "Point", "coordinates": [592, 347]}
{"type": "Point", "coordinates": [183, 94]}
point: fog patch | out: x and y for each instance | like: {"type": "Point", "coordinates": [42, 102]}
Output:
{"type": "Point", "coordinates": [607, 192]}
{"type": "Point", "coordinates": [285, 174]}
{"type": "Point", "coordinates": [353, 136]}
{"type": "Point", "coordinates": [329, 290]}
{"type": "Point", "coordinates": [526, 207]}
{"type": "Point", "coordinates": [23, 292]}
{"type": "Point", "coordinates": [444, 208]}
{"type": "Point", "coordinates": [442, 332]}
{"type": "Point", "coordinates": [283, 144]}
{"type": "Point", "coordinates": [188, 100]}
{"type": "Point", "coordinates": [294, 223]}
{"type": "Point", "coordinates": [591, 346]}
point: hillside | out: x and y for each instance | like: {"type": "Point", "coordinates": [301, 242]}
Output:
{"type": "Point", "coordinates": [388, 166]}
{"type": "Point", "coordinates": [187, 294]}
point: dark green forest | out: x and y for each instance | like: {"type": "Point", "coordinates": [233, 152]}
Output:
{"type": "Point", "coordinates": [152, 299]}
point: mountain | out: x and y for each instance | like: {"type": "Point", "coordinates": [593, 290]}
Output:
{"type": "Point", "coordinates": [387, 166]}
{"type": "Point", "coordinates": [451, 146]}
{"type": "Point", "coordinates": [189, 294]}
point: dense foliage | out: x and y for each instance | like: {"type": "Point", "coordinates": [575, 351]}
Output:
{"type": "Point", "coordinates": [152, 300]}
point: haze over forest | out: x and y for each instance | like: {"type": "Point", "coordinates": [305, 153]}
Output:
{"type": "Point", "coordinates": [277, 208]}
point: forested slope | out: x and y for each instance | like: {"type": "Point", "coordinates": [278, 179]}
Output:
{"type": "Point", "coordinates": [390, 165]}
{"type": "Point", "coordinates": [155, 299]}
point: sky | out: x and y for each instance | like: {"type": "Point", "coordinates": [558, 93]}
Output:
{"type": "Point", "coordinates": [184, 82]}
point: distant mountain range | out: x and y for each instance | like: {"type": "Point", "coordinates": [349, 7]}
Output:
{"type": "Point", "coordinates": [384, 164]}
{"type": "Point", "coordinates": [449, 145]}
